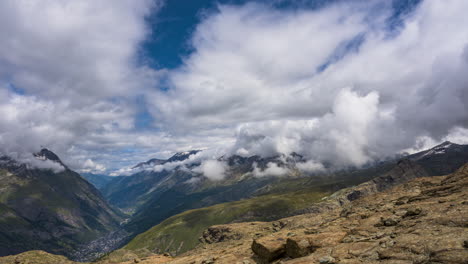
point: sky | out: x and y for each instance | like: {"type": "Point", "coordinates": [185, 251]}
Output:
{"type": "Point", "coordinates": [108, 84]}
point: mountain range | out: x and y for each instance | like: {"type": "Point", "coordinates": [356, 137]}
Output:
{"type": "Point", "coordinates": [152, 197]}
{"type": "Point", "coordinates": [383, 213]}
{"type": "Point", "coordinates": [168, 210]}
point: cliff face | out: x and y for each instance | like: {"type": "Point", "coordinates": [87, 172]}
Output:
{"type": "Point", "coordinates": [49, 210]}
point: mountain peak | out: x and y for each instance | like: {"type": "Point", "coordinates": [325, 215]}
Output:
{"type": "Point", "coordinates": [443, 147]}
{"type": "Point", "coordinates": [445, 144]}
{"type": "Point", "coordinates": [151, 162]}
{"type": "Point", "coordinates": [437, 150]}
{"type": "Point", "coordinates": [179, 156]}
{"type": "Point", "coordinates": [46, 154]}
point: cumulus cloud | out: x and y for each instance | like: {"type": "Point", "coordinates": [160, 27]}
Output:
{"type": "Point", "coordinates": [28, 123]}
{"type": "Point", "coordinates": [80, 50]}
{"type": "Point", "coordinates": [212, 169]}
{"type": "Point", "coordinates": [339, 136]}
{"type": "Point", "coordinates": [272, 169]}
{"type": "Point", "coordinates": [310, 166]}
{"type": "Point", "coordinates": [92, 167]}
{"type": "Point", "coordinates": [69, 75]}
{"type": "Point", "coordinates": [337, 84]}
{"type": "Point", "coordinates": [43, 164]}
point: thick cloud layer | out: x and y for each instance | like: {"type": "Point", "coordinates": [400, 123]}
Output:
{"type": "Point", "coordinates": [337, 84]}
{"type": "Point", "coordinates": [68, 73]}
{"type": "Point", "coordinates": [78, 50]}
{"type": "Point", "coordinates": [341, 84]}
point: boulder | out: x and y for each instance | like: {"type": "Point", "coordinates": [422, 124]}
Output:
{"type": "Point", "coordinates": [297, 247]}
{"type": "Point", "coordinates": [269, 248]}
{"type": "Point", "coordinates": [412, 212]}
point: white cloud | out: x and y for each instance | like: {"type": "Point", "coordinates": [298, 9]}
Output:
{"type": "Point", "coordinates": [38, 163]}
{"type": "Point", "coordinates": [272, 169]}
{"type": "Point", "coordinates": [69, 76]}
{"type": "Point", "coordinates": [212, 169]}
{"type": "Point", "coordinates": [260, 71]}
{"type": "Point", "coordinates": [27, 123]}
{"type": "Point", "coordinates": [339, 137]}
{"type": "Point", "coordinates": [80, 50]}
{"type": "Point", "coordinates": [459, 135]}
{"type": "Point", "coordinates": [182, 164]}
{"type": "Point", "coordinates": [93, 167]}
{"type": "Point", "coordinates": [310, 166]}
{"type": "Point", "coordinates": [259, 81]}
{"type": "Point", "coordinates": [242, 71]}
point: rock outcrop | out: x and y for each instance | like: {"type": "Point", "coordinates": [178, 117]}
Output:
{"type": "Point", "coordinates": [219, 233]}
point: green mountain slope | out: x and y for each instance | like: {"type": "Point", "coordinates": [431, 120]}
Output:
{"type": "Point", "coordinates": [47, 210]}
{"type": "Point", "coordinates": [180, 233]}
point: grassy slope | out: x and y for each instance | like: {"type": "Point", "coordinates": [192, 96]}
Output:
{"type": "Point", "coordinates": [180, 233]}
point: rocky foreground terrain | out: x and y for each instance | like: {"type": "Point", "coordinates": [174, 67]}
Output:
{"type": "Point", "coordinates": [386, 220]}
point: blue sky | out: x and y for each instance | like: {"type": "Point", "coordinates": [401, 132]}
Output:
{"type": "Point", "coordinates": [107, 84]}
